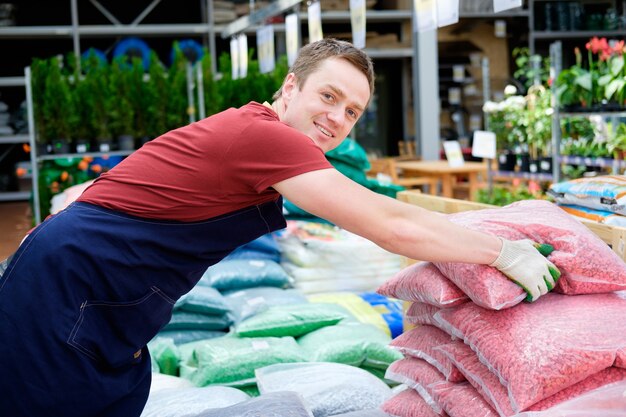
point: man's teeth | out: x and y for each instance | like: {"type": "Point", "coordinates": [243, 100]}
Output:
{"type": "Point", "coordinates": [324, 131]}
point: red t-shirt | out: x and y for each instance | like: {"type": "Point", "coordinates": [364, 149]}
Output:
{"type": "Point", "coordinates": [217, 165]}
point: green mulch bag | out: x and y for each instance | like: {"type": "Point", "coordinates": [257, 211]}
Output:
{"type": "Point", "coordinates": [196, 321]}
{"type": "Point", "coordinates": [231, 361]}
{"type": "Point", "coordinates": [205, 300]}
{"type": "Point", "coordinates": [290, 320]}
{"type": "Point", "coordinates": [166, 354]}
{"type": "Point", "coordinates": [356, 344]}
{"type": "Point", "coordinates": [238, 274]}
{"type": "Point", "coordinates": [183, 336]}
{"type": "Point", "coordinates": [350, 171]}
{"type": "Point", "coordinates": [251, 390]}
{"type": "Point", "coordinates": [351, 153]}
{"type": "Point", "coordinates": [390, 190]}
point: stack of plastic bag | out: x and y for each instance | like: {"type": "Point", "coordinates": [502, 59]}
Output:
{"type": "Point", "coordinates": [479, 350]}
{"type": "Point", "coordinates": [202, 313]}
{"type": "Point", "coordinates": [323, 258]}
{"type": "Point", "coordinates": [327, 389]}
{"type": "Point", "coordinates": [600, 198]}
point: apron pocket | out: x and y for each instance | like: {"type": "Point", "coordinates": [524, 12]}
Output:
{"type": "Point", "coordinates": [115, 332]}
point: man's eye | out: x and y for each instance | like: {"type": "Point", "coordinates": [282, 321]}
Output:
{"type": "Point", "coordinates": [353, 114]}
{"type": "Point", "coordinates": [328, 96]}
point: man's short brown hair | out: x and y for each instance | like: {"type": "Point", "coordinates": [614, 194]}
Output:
{"type": "Point", "coordinates": [312, 55]}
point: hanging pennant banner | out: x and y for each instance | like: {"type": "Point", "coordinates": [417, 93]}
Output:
{"type": "Point", "coordinates": [315, 22]}
{"type": "Point", "coordinates": [242, 40]}
{"type": "Point", "coordinates": [357, 20]}
{"type": "Point", "coordinates": [291, 35]}
{"type": "Point", "coordinates": [447, 12]}
{"type": "Point", "coordinates": [265, 46]}
{"type": "Point", "coordinates": [234, 58]}
{"type": "Point", "coordinates": [500, 5]}
{"type": "Point", "coordinates": [425, 15]}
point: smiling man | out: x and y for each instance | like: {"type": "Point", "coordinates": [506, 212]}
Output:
{"type": "Point", "coordinates": [92, 285]}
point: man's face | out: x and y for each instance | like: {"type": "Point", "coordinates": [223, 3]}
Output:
{"type": "Point", "coordinates": [329, 103]}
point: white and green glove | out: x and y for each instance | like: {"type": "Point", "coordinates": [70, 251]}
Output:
{"type": "Point", "coordinates": [524, 262]}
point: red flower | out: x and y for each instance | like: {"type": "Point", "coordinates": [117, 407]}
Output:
{"type": "Point", "coordinates": [597, 45]}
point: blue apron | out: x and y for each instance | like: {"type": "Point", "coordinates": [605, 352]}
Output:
{"type": "Point", "coordinates": [88, 289]}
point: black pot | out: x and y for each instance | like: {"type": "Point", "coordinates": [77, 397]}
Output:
{"type": "Point", "coordinates": [534, 166]}
{"type": "Point", "coordinates": [125, 143]}
{"type": "Point", "coordinates": [82, 146]}
{"type": "Point", "coordinates": [523, 162]}
{"type": "Point", "coordinates": [507, 161]}
{"type": "Point", "coordinates": [60, 146]}
{"type": "Point", "coordinates": [105, 146]}
{"type": "Point", "coordinates": [545, 165]}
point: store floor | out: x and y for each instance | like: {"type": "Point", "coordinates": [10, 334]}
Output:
{"type": "Point", "coordinates": [15, 222]}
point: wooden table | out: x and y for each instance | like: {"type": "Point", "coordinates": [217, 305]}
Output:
{"type": "Point", "coordinates": [445, 173]}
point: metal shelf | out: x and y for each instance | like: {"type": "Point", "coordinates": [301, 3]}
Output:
{"type": "Point", "coordinates": [577, 34]}
{"type": "Point", "coordinates": [487, 15]}
{"type": "Point", "coordinates": [12, 82]}
{"type": "Point", "coordinates": [525, 175]}
{"type": "Point", "coordinates": [14, 195]}
{"type": "Point", "coordinates": [592, 162]}
{"type": "Point", "coordinates": [371, 16]}
{"type": "Point", "coordinates": [593, 113]}
{"type": "Point", "coordinates": [82, 155]}
{"type": "Point", "coordinates": [13, 139]}
{"type": "Point", "coordinates": [108, 30]}
{"type": "Point", "coordinates": [389, 53]}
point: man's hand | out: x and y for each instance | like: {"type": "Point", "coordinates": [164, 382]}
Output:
{"type": "Point", "coordinates": [523, 263]}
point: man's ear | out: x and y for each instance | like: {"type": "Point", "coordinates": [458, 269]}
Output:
{"type": "Point", "coordinates": [289, 86]}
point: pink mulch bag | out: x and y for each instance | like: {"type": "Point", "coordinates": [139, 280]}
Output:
{"type": "Point", "coordinates": [418, 375]}
{"type": "Point", "coordinates": [489, 387]}
{"type": "Point", "coordinates": [606, 401]}
{"type": "Point", "coordinates": [408, 403]}
{"type": "Point", "coordinates": [421, 313]}
{"type": "Point", "coordinates": [621, 358]}
{"type": "Point", "coordinates": [602, 378]}
{"type": "Point", "coordinates": [462, 400]}
{"type": "Point", "coordinates": [587, 264]}
{"type": "Point", "coordinates": [539, 349]}
{"type": "Point", "coordinates": [423, 282]}
{"type": "Point", "coordinates": [420, 342]}
{"type": "Point", "coordinates": [482, 379]}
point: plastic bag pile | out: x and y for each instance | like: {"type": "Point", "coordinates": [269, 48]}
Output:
{"type": "Point", "coordinates": [478, 350]}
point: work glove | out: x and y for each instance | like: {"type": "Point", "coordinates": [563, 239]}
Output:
{"type": "Point", "coordinates": [524, 262]}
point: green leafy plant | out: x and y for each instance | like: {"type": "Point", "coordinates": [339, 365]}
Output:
{"type": "Point", "coordinates": [530, 67]}
{"type": "Point", "coordinates": [502, 196]}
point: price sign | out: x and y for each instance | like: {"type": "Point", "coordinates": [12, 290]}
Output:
{"type": "Point", "coordinates": [447, 12]}
{"type": "Point", "coordinates": [425, 12]}
{"type": "Point", "coordinates": [291, 33]}
{"type": "Point", "coordinates": [315, 22]}
{"type": "Point", "coordinates": [357, 20]}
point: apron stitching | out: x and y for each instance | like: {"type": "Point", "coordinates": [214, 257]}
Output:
{"type": "Point", "coordinates": [264, 221]}
{"type": "Point", "coordinates": [72, 341]}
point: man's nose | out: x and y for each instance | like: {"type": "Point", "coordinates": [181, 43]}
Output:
{"type": "Point", "coordinates": [337, 115]}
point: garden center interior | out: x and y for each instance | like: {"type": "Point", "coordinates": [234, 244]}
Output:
{"type": "Point", "coordinates": [480, 107]}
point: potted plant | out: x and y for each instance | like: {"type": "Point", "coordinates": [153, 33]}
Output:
{"type": "Point", "coordinates": [39, 71]}
{"type": "Point", "coordinates": [122, 112]}
{"type": "Point", "coordinates": [58, 107]}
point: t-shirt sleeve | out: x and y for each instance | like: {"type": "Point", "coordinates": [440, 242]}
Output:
{"type": "Point", "coordinates": [269, 152]}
